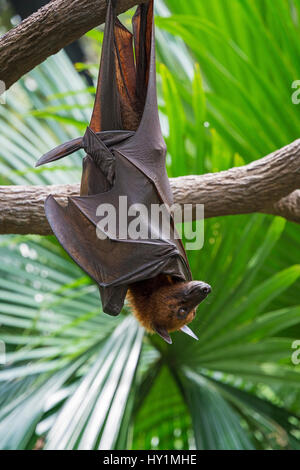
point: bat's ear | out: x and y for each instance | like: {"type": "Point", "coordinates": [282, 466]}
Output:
{"type": "Point", "coordinates": [189, 332]}
{"type": "Point", "coordinates": [162, 332]}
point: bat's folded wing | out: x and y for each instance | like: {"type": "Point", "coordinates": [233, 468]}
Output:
{"type": "Point", "coordinates": [113, 264]}
{"type": "Point", "coordinates": [60, 152]}
{"type": "Point", "coordinates": [106, 138]}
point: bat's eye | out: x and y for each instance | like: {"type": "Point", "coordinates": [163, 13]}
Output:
{"type": "Point", "coordinates": [182, 312]}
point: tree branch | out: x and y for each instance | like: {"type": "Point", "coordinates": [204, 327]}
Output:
{"type": "Point", "coordinates": [287, 207]}
{"type": "Point", "coordinates": [44, 33]}
{"type": "Point", "coordinates": [268, 185]}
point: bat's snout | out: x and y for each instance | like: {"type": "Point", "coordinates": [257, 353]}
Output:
{"type": "Point", "coordinates": [196, 292]}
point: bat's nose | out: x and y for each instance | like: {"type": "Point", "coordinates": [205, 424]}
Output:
{"type": "Point", "coordinates": [197, 292]}
{"type": "Point", "coordinates": [206, 288]}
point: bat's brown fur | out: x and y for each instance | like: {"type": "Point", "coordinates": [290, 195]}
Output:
{"type": "Point", "coordinates": [155, 302]}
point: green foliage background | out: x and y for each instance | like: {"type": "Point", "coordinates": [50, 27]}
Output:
{"type": "Point", "coordinates": [79, 379]}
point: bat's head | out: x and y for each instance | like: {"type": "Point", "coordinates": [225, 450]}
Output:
{"type": "Point", "coordinates": [164, 304]}
{"type": "Point", "coordinates": [176, 305]}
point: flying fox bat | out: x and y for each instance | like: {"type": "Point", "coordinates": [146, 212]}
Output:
{"type": "Point", "coordinates": [126, 156]}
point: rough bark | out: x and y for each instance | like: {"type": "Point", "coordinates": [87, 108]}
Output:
{"type": "Point", "coordinates": [269, 185]}
{"type": "Point", "coordinates": [251, 188]}
{"type": "Point", "coordinates": [288, 207]}
{"type": "Point", "coordinates": [44, 33]}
